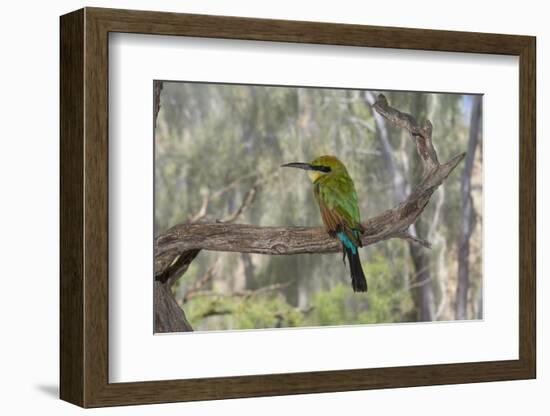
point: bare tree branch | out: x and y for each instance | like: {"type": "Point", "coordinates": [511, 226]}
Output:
{"type": "Point", "coordinates": [247, 201]}
{"type": "Point", "coordinates": [422, 134]}
{"type": "Point", "coordinates": [201, 213]}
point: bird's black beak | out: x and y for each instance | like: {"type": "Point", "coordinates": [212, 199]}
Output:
{"type": "Point", "coordinates": [299, 165]}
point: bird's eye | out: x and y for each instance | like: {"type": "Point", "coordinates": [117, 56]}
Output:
{"type": "Point", "coordinates": [325, 169]}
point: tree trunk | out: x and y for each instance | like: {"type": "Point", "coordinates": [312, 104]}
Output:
{"type": "Point", "coordinates": [422, 282]}
{"type": "Point", "coordinates": [168, 316]}
{"type": "Point", "coordinates": [468, 214]}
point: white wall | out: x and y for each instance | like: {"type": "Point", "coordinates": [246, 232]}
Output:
{"type": "Point", "coordinates": [29, 209]}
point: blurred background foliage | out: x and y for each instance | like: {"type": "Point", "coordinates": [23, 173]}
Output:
{"type": "Point", "coordinates": [218, 149]}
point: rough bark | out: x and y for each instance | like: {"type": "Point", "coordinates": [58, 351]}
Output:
{"type": "Point", "coordinates": [177, 247]}
{"type": "Point", "coordinates": [468, 215]}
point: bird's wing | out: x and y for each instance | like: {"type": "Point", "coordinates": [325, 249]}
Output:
{"type": "Point", "coordinates": [337, 201]}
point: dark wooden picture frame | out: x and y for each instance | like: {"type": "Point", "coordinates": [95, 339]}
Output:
{"type": "Point", "coordinates": [84, 207]}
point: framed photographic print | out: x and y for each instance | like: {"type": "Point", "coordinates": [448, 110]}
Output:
{"type": "Point", "coordinates": [255, 207]}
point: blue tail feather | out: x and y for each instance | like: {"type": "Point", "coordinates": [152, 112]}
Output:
{"type": "Point", "coordinates": [358, 281]}
{"type": "Point", "coordinates": [346, 241]}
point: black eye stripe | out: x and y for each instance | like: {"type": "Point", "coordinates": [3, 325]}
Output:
{"type": "Point", "coordinates": [325, 169]}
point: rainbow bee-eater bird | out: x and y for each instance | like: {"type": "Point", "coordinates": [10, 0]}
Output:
{"type": "Point", "coordinates": [335, 193]}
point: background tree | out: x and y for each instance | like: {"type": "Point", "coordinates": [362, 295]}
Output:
{"type": "Point", "coordinates": [468, 213]}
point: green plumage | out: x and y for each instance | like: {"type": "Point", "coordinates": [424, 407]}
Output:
{"type": "Point", "coordinates": [335, 193]}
